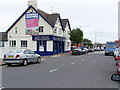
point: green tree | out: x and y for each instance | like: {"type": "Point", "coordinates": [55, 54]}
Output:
{"type": "Point", "coordinates": [87, 42]}
{"type": "Point", "coordinates": [76, 36]}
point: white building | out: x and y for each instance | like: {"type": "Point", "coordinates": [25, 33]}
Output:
{"type": "Point", "coordinates": [46, 34]}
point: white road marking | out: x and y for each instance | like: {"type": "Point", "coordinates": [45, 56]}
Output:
{"type": "Point", "coordinates": [72, 63]}
{"type": "Point", "coordinates": [2, 88]}
{"type": "Point", "coordinates": [90, 53]}
{"type": "Point", "coordinates": [83, 59]}
{"type": "Point", "coordinates": [90, 56]}
{"type": "Point", "coordinates": [53, 70]}
{"type": "Point", "coordinates": [42, 59]}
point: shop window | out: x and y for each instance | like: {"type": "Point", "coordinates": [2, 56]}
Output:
{"type": "Point", "coordinates": [12, 43]}
{"type": "Point", "coordinates": [41, 29]}
{"type": "Point", "coordinates": [1, 43]}
{"type": "Point", "coordinates": [41, 43]}
{"type": "Point", "coordinates": [24, 43]}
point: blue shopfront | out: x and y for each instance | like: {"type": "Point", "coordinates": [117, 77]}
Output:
{"type": "Point", "coordinates": [49, 44]}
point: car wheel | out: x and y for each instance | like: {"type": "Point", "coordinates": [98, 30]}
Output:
{"type": "Point", "coordinates": [38, 60]}
{"type": "Point", "coordinates": [25, 62]}
{"type": "Point", "coordinates": [9, 64]}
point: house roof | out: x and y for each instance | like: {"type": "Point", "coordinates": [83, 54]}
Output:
{"type": "Point", "coordinates": [49, 18]}
{"type": "Point", "coordinates": [3, 36]}
{"type": "Point", "coordinates": [64, 22]}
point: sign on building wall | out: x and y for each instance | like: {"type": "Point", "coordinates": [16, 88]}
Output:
{"type": "Point", "coordinates": [32, 23]}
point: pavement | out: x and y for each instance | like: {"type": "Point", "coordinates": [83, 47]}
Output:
{"type": "Point", "coordinates": [43, 57]}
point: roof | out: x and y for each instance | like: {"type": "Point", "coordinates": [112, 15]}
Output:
{"type": "Point", "coordinates": [3, 36]}
{"type": "Point", "coordinates": [64, 22]}
{"type": "Point", "coordinates": [49, 18]}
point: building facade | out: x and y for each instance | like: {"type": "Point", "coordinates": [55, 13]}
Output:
{"type": "Point", "coordinates": [46, 34]}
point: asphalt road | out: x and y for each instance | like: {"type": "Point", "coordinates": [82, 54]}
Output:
{"type": "Point", "coordinates": [85, 71]}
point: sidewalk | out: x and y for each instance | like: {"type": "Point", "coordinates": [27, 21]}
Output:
{"type": "Point", "coordinates": [1, 62]}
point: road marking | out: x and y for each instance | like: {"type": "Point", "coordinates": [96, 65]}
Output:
{"type": "Point", "coordinates": [2, 88]}
{"type": "Point", "coordinates": [90, 53]}
{"type": "Point", "coordinates": [90, 56]}
{"type": "Point", "coordinates": [53, 70]}
{"type": "Point", "coordinates": [56, 56]}
{"type": "Point", "coordinates": [42, 59]}
{"type": "Point", "coordinates": [83, 59]}
{"type": "Point", "coordinates": [72, 63]}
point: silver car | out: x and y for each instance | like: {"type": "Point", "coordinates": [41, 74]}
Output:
{"type": "Point", "coordinates": [21, 56]}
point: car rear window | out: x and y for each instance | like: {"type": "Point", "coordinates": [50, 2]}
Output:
{"type": "Point", "coordinates": [15, 51]}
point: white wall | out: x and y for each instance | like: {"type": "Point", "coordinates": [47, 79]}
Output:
{"type": "Point", "coordinates": [59, 27]}
{"type": "Point", "coordinates": [67, 36]}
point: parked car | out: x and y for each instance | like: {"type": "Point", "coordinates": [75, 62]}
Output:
{"type": "Point", "coordinates": [97, 49]}
{"type": "Point", "coordinates": [117, 53]}
{"type": "Point", "coordinates": [90, 50]}
{"type": "Point", "coordinates": [21, 56]}
{"type": "Point", "coordinates": [77, 51]}
{"type": "Point", "coordinates": [84, 50]}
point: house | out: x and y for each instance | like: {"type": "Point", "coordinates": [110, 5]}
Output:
{"type": "Point", "coordinates": [46, 34]}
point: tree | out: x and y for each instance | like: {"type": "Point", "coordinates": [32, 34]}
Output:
{"type": "Point", "coordinates": [87, 42]}
{"type": "Point", "coordinates": [76, 35]}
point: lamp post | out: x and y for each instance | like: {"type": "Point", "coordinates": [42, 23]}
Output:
{"type": "Point", "coordinates": [96, 36]}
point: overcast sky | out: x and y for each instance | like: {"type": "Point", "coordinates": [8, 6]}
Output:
{"type": "Point", "coordinates": [92, 16]}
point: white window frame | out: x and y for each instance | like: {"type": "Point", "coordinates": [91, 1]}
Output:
{"type": "Point", "coordinates": [2, 44]}
{"type": "Point", "coordinates": [25, 44]}
{"type": "Point", "coordinates": [16, 30]}
{"type": "Point", "coordinates": [12, 43]}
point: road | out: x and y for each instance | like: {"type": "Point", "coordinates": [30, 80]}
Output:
{"type": "Point", "coordinates": [91, 70]}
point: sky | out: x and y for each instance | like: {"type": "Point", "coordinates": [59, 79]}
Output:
{"type": "Point", "coordinates": [98, 19]}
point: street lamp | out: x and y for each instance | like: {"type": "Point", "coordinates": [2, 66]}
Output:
{"type": "Point", "coordinates": [96, 36]}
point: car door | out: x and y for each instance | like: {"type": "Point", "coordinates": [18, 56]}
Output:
{"type": "Point", "coordinates": [28, 55]}
{"type": "Point", "coordinates": [33, 56]}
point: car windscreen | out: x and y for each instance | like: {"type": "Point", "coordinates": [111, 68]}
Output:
{"type": "Point", "coordinates": [16, 51]}
{"type": "Point", "coordinates": [110, 46]}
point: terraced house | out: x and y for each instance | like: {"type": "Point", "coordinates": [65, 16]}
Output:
{"type": "Point", "coordinates": [46, 34]}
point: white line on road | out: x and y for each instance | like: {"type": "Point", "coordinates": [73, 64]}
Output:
{"type": "Point", "coordinates": [2, 88]}
{"type": "Point", "coordinates": [42, 59]}
{"type": "Point", "coordinates": [72, 63]}
{"type": "Point", "coordinates": [83, 59]}
{"type": "Point", "coordinates": [53, 70]}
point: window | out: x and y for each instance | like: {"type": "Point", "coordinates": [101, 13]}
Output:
{"type": "Point", "coordinates": [24, 43]}
{"type": "Point", "coordinates": [1, 43]}
{"type": "Point", "coordinates": [41, 29]}
{"type": "Point", "coordinates": [16, 30]}
{"type": "Point", "coordinates": [12, 43]}
{"type": "Point", "coordinates": [59, 31]}
{"type": "Point", "coordinates": [26, 52]}
{"type": "Point", "coordinates": [68, 44]}
{"type": "Point", "coordinates": [55, 30]}
{"type": "Point", "coordinates": [32, 52]}
{"type": "Point", "coordinates": [42, 43]}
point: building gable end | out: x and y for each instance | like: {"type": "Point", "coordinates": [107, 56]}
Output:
{"type": "Point", "coordinates": [24, 14]}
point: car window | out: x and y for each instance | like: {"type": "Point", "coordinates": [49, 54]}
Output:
{"type": "Point", "coordinates": [15, 51]}
{"type": "Point", "coordinates": [26, 52]}
{"type": "Point", "coordinates": [32, 52]}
